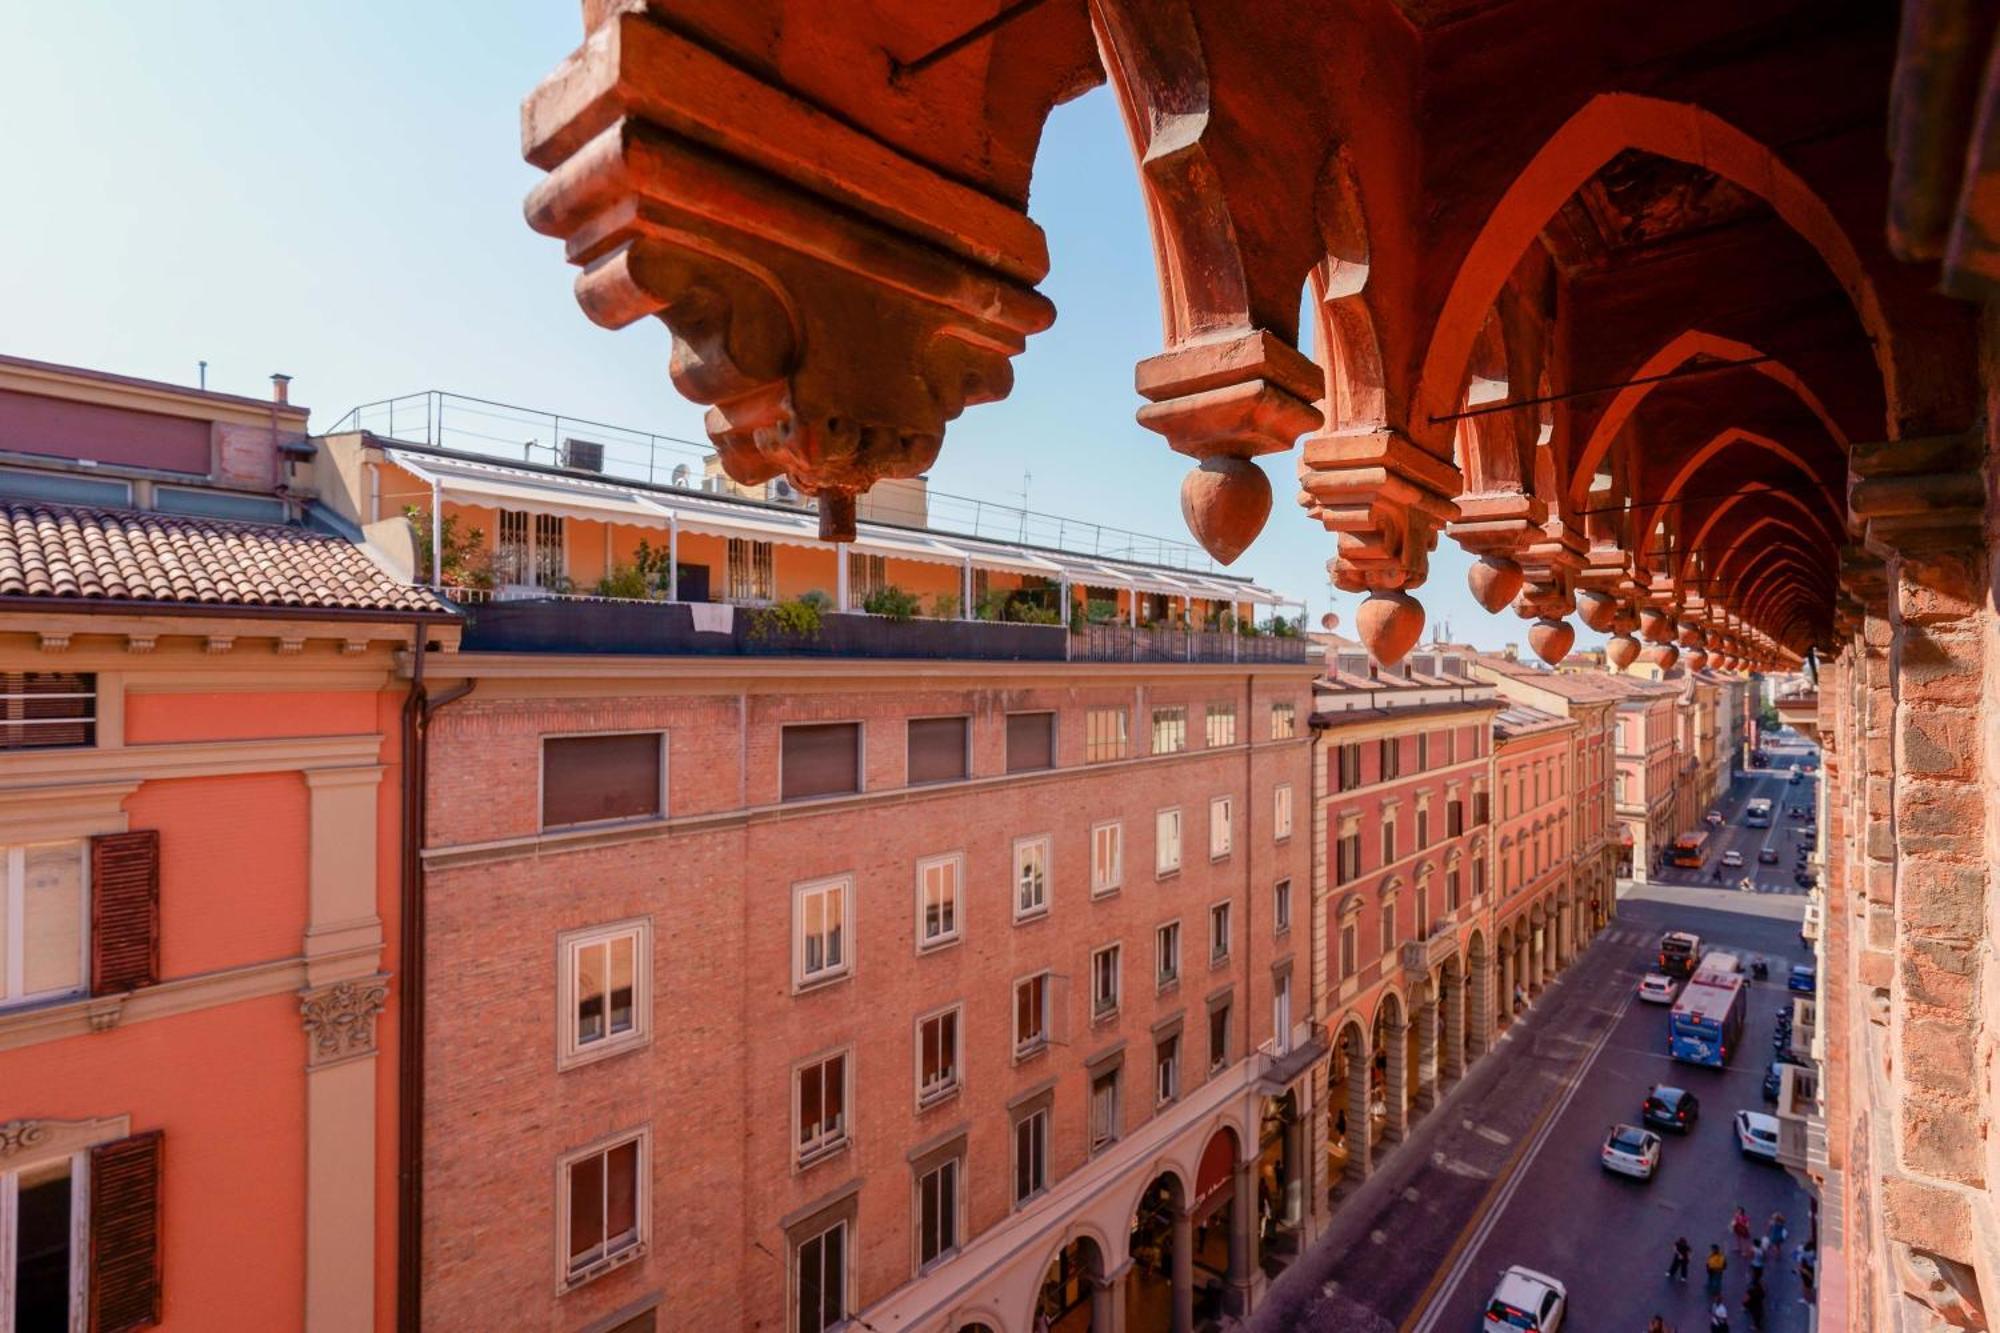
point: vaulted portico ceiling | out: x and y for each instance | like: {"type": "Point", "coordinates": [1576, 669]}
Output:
{"type": "Point", "coordinates": [1602, 290]}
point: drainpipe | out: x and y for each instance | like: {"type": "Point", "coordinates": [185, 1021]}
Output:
{"type": "Point", "coordinates": [417, 712]}
{"type": "Point", "coordinates": [437, 541]}
{"type": "Point", "coordinates": [673, 556]}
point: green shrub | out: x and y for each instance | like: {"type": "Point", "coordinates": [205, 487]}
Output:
{"type": "Point", "coordinates": [992, 605]}
{"type": "Point", "coordinates": [944, 606]}
{"type": "Point", "coordinates": [819, 601]}
{"type": "Point", "coordinates": [626, 581]}
{"type": "Point", "coordinates": [1099, 612]}
{"type": "Point", "coordinates": [467, 562]}
{"type": "Point", "coordinates": [1027, 613]}
{"type": "Point", "coordinates": [892, 602]}
{"type": "Point", "coordinates": [795, 619]}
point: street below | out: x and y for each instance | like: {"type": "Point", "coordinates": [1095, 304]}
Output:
{"type": "Point", "coordinates": [1506, 1169]}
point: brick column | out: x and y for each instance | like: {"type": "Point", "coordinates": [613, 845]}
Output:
{"type": "Point", "coordinates": [1480, 999]}
{"type": "Point", "coordinates": [1454, 1028]}
{"type": "Point", "coordinates": [1427, 1054]}
{"type": "Point", "coordinates": [1396, 1081]}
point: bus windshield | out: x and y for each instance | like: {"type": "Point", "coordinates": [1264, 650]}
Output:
{"type": "Point", "coordinates": [1757, 814]}
{"type": "Point", "coordinates": [1688, 849]}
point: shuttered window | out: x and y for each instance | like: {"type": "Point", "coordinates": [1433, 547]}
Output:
{"type": "Point", "coordinates": [124, 911]}
{"type": "Point", "coordinates": [598, 779]}
{"type": "Point", "coordinates": [42, 710]}
{"type": "Point", "coordinates": [124, 1282]}
{"type": "Point", "coordinates": [822, 759]}
{"type": "Point", "coordinates": [1031, 741]}
{"type": "Point", "coordinates": [938, 749]}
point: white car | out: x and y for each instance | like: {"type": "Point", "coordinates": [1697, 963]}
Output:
{"type": "Point", "coordinates": [1526, 1302]}
{"type": "Point", "coordinates": [1658, 988]}
{"type": "Point", "coordinates": [1714, 819]}
{"type": "Point", "coordinates": [1631, 1151]}
{"type": "Point", "coordinates": [1732, 859]}
{"type": "Point", "coordinates": [1757, 1135]}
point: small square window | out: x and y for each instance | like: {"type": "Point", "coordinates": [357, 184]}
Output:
{"type": "Point", "coordinates": [1284, 721]}
{"type": "Point", "coordinates": [1107, 858]}
{"type": "Point", "coordinates": [938, 749]}
{"type": "Point", "coordinates": [937, 1056]}
{"type": "Point", "coordinates": [1167, 842]}
{"type": "Point", "coordinates": [1031, 742]}
{"type": "Point", "coordinates": [42, 710]}
{"type": "Point", "coordinates": [1105, 735]}
{"type": "Point", "coordinates": [1104, 1122]}
{"type": "Point", "coordinates": [1031, 878]}
{"type": "Point", "coordinates": [820, 946]}
{"type": "Point", "coordinates": [604, 1207]}
{"type": "Point", "coordinates": [938, 882]}
{"type": "Point", "coordinates": [604, 989]}
{"type": "Point", "coordinates": [1221, 836]}
{"type": "Point", "coordinates": [819, 759]}
{"type": "Point", "coordinates": [821, 1106]}
{"type": "Point", "coordinates": [603, 779]}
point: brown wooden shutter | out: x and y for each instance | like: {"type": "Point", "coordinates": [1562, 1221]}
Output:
{"type": "Point", "coordinates": [125, 1234]}
{"type": "Point", "coordinates": [822, 759]}
{"type": "Point", "coordinates": [937, 749]}
{"type": "Point", "coordinates": [124, 911]}
{"type": "Point", "coordinates": [1031, 741]}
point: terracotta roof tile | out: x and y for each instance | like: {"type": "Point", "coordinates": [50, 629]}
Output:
{"type": "Point", "coordinates": [74, 551]}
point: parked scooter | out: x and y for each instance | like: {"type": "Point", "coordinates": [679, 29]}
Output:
{"type": "Point", "coordinates": [1759, 969]}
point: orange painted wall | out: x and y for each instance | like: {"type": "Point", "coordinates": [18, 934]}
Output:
{"type": "Point", "coordinates": [157, 718]}
{"type": "Point", "coordinates": [926, 578]}
{"type": "Point", "coordinates": [800, 570]}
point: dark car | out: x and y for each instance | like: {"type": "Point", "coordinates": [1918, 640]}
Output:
{"type": "Point", "coordinates": [1772, 1079]}
{"type": "Point", "coordinates": [1803, 978]}
{"type": "Point", "coordinates": [1787, 1056]}
{"type": "Point", "coordinates": [1767, 856]}
{"type": "Point", "coordinates": [1671, 1108]}
{"type": "Point", "coordinates": [1803, 880]}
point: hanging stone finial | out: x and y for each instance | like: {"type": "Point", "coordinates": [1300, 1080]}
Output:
{"type": "Point", "coordinates": [1494, 580]}
{"type": "Point", "coordinates": [1551, 639]}
{"type": "Point", "coordinates": [1389, 624]}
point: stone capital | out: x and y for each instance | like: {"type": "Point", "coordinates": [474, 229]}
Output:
{"type": "Point", "coordinates": [340, 1019]}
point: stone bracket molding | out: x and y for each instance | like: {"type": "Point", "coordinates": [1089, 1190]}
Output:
{"type": "Point", "coordinates": [833, 301]}
{"type": "Point", "coordinates": [1919, 495]}
{"type": "Point", "coordinates": [30, 1138]}
{"type": "Point", "coordinates": [340, 1019]}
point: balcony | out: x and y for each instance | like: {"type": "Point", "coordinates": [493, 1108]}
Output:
{"type": "Point", "coordinates": [1801, 1124]}
{"type": "Point", "coordinates": [1150, 643]}
{"type": "Point", "coordinates": [1425, 955]}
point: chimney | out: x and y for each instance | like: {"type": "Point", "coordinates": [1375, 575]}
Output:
{"type": "Point", "coordinates": [281, 388]}
{"type": "Point", "coordinates": [1512, 652]}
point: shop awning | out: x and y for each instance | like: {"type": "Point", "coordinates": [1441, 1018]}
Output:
{"type": "Point", "coordinates": [517, 488]}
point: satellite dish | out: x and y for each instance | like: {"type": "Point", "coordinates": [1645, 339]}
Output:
{"type": "Point", "coordinates": [681, 474]}
{"type": "Point", "coordinates": [1329, 621]}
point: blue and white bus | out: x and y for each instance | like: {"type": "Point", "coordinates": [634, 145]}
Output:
{"type": "Point", "coordinates": [1757, 814]}
{"type": "Point", "coordinates": [1706, 1022]}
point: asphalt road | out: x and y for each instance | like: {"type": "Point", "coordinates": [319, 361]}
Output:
{"type": "Point", "coordinates": [1506, 1171]}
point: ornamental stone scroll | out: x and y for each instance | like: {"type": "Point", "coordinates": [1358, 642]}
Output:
{"type": "Point", "coordinates": [340, 1019]}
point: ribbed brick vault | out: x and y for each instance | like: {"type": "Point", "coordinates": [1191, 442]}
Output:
{"type": "Point", "coordinates": [1649, 246]}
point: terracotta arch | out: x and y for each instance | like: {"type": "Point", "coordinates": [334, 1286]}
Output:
{"type": "Point", "coordinates": [1602, 128]}
{"type": "Point", "coordinates": [1825, 526]}
{"type": "Point", "coordinates": [1723, 440]}
{"type": "Point", "coordinates": [1790, 576]}
{"type": "Point", "coordinates": [1739, 548]}
{"type": "Point", "coordinates": [1680, 351]}
{"type": "Point", "coordinates": [1391, 1002]}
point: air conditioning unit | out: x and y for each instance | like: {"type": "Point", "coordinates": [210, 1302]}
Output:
{"type": "Point", "coordinates": [783, 491]}
{"type": "Point", "coordinates": [583, 455]}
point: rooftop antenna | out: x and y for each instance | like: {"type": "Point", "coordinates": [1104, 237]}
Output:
{"type": "Point", "coordinates": [203, 380]}
{"type": "Point", "coordinates": [1026, 478]}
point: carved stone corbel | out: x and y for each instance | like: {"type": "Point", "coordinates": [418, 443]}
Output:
{"type": "Point", "coordinates": [340, 1019]}
{"type": "Point", "coordinates": [834, 302]}
{"type": "Point", "coordinates": [1918, 496]}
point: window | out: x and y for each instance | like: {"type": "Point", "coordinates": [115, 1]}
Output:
{"type": "Point", "coordinates": [1481, 810]}
{"type": "Point", "coordinates": [1107, 858]}
{"type": "Point", "coordinates": [937, 1057]}
{"type": "Point", "coordinates": [819, 759]}
{"type": "Point", "coordinates": [1391, 752]}
{"type": "Point", "coordinates": [1167, 948]}
{"type": "Point", "coordinates": [1103, 1109]}
{"type": "Point", "coordinates": [604, 1207]}
{"type": "Point", "coordinates": [1167, 842]}
{"type": "Point", "coordinates": [1284, 721]}
{"type": "Point", "coordinates": [865, 574]}
{"type": "Point", "coordinates": [821, 1282]}
{"type": "Point", "coordinates": [1348, 764]}
{"type": "Point", "coordinates": [1423, 750]}
{"type": "Point", "coordinates": [603, 985]}
{"type": "Point", "coordinates": [1221, 725]}
{"type": "Point", "coordinates": [41, 710]}
{"type": "Point", "coordinates": [1104, 982]}
{"type": "Point", "coordinates": [1454, 817]}
{"type": "Point", "coordinates": [1031, 1014]}
{"type": "Point", "coordinates": [1104, 734]}
{"type": "Point", "coordinates": [939, 749]}
{"type": "Point", "coordinates": [819, 914]}
{"type": "Point", "coordinates": [1281, 811]}
{"type": "Point", "coordinates": [1031, 877]}
{"type": "Point", "coordinates": [1350, 949]}
{"type": "Point", "coordinates": [822, 1107]}
{"type": "Point", "coordinates": [599, 779]}
{"type": "Point", "coordinates": [938, 879]}
{"type": "Point", "coordinates": [1347, 854]}
{"type": "Point", "coordinates": [1169, 730]}
{"type": "Point", "coordinates": [44, 921]}
{"type": "Point", "coordinates": [1423, 825]}
{"type": "Point", "coordinates": [1452, 895]}
{"type": "Point", "coordinates": [750, 574]}
{"type": "Point", "coordinates": [1031, 1155]}
{"type": "Point", "coordinates": [937, 1212]}
{"type": "Point", "coordinates": [1167, 1068]}
{"type": "Point", "coordinates": [529, 551]}
{"type": "Point", "coordinates": [1220, 835]}
{"type": "Point", "coordinates": [1031, 742]}
{"type": "Point", "coordinates": [1388, 837]}
{"type": "Point", "coordinates": [1218, 1034]}
{"type": "Point", "coordinates": [1388, 926]}
{"type": "Point", "coordinates": [1218, 933]}
{"type": "Point", "coordinates": [1281, 1013]}
{"type": "Point", "coordinates": [1423, 912]}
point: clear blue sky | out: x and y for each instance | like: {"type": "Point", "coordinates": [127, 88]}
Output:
{"type": "Point", "coordinates": [334, 191]}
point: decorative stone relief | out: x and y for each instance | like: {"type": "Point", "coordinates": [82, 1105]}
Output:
{"type": "Point", "coordinates": [21, 1139]}
{"type": "Point", "coordinates": [340, 1019]}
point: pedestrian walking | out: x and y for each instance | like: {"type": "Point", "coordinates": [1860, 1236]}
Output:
{"type": "Point", "coordinates": [1808, 1271]}
{"type": "Point", "coordinates": [1758, 1253]}
{"type": "Point", "coordinates": [1715, 1265]}
{"type": "Point", "coordinates": [1753, 1303]}
{"type": "Point", "coordinates": [1677, 1267]}
{"type": "Point", "coordinates": [1777, 1232]}
{"type": "Point", "coordinates": [1718, 1318]}
{"type": "Point", "coordinates": [1739, 1227]}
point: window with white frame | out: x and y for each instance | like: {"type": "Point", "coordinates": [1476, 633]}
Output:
{"type": "Point", "coordinates": [937, 1211]}
{"type": "Point", "coordinates": [1167, 952]}
{"type": "Point", "coordinates": [937, 1056]}
{"type": "Point", "coordinates": [604, 989]}
{"type": "Point", "coordinates": [1104, 734]}
{"type": "Point", "coordinates": [1284, 721]}
{"type": "Point", "coordinates": [44, 1255]}
{"type": "Point", "coordinates": [1347, 766]}
{"type": "Point", "coordinates": [938, 882]}
{"type": "Point", "coordinates": [604, 1206]}
{"type": "Point", "coordinates": [866, 574]}
{"type": "Point", "coordinates": [1281, 811]}
{"type": "Point", "coordinates": [1221, 725]}
{"type": "Point", "coordinates": [1389, 752]}
{"type": "Point", "coordinates": [42, 710]}
{"type": "Point", "coordinates": [1104, 981]}
{"type": "Point", "coordinates": [819, 914]}
{"type": "Point", "coordinates": [1218, 932]}
{"type": "Point", "coordinates": [44, 921]}
{"type": "Point", "coordinates": [1031, 1014]}
{"type": "Point", "coordinates": [1347, 852]}
{"type": "Point", "coordinates": [1281, 907]}
{"type": "Point", "coordinates": [1281, 1013]}
{"type": "Point", "coordinates": [1167, 1068]}
{"type": "Point", "coordinates": [1221, 834]}
{"type": "Point", "coordinates": [1169, 730]}
{"type": "Point", "coordinates": [821, 1107]}
{"type": "Point", "coordinates": [820, 1280]}
{"type": "Point", "coordinates": [1103, 1108]}
{"type": "Point", "coordinates": [1031, 1155]}
{"type": "Point", "coordinates": [1107, 857]}
{"type": "Point", "coordinates": [1167, 842]}
{"type": "Point", "coordinates": [1031, 877]}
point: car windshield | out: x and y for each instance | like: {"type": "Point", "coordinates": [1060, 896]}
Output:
{"type": "Point", "coordinates": [1628, 1141]}
{"type": "Point", "coordinates": [1502, 1313]}
{"type": "Point", "coordinates": [1668, 1098]}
